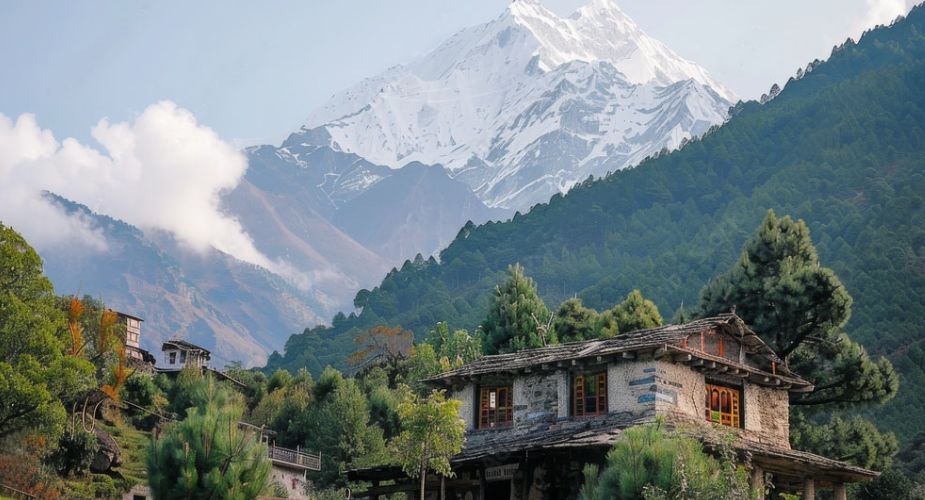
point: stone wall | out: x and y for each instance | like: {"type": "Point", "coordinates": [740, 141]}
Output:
{"type": "Point", "coordinates": [292, 480]}
{"type": "Point", "coordinates": [536, 399]}
{"type": "Point", "coordinates": [682, 392]}
{"type": "Point", "coordinates": [767, 415]}
{"type": "Point", "coordinates": [466, 395]}
{"type": "Point", "coordinates": [642, 388]}
{"type": "Point", "coordinates": [645, 387]}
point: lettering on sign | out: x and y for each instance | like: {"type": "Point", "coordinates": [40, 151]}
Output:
{"type": "Point", "coordinates": [500, 472]}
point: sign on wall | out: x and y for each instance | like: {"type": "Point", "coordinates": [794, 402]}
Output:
{"type": "Point", "coordinates": [500, 472]}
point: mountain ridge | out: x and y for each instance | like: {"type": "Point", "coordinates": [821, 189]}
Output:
{"type": "Point", "coordinates": [526, 105]}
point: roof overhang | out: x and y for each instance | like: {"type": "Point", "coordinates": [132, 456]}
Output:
{"type": "Point", "coordinates": [698, 360]}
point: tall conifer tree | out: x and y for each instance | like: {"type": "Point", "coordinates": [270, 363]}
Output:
{"type": "Point", "coordinates": [799, 308]}
{"type": "Point", "coordinates": [517, 317]}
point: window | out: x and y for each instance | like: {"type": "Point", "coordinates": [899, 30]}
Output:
{"type": "Point", "coordinates": [172, 357]}
{"type": "Point", "coordinates": [495, 407]}
{"type": "Point", "coordinates": [589, 394]}
{"type": "Point", "coordinates": [723, 405]}
{"type": "Point", "coordinates": [182, 357]}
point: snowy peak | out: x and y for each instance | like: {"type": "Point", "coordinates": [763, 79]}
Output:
{"type": "Point", "coordinates": [526, 105]}
{"type": "Point", "coordinates": [601, 31]}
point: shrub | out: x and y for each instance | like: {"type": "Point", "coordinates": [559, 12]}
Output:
{"type": "Point", "coordinates": [75, 450]}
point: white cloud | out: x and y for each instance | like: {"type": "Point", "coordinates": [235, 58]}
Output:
{"type": "Point", "coordinates": [881, 12]}
{"type": "Point", "coordinates": [163, 171]}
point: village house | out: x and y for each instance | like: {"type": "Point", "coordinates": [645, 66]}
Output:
{"type": "Point", "coordinates": [180, 354]}
{"type": "Point", "coordinates": [534, 418]}
{"type": "Point", "coordinates": [138, 358]}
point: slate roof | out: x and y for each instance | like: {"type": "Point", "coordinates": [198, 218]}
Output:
{"type": "Point", "coordinates": [669, 338]}
{"type": "Point", "coordinates": [183, 345]}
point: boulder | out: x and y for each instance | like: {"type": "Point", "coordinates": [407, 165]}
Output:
{"type": "Point", "coordinates": [108, 455]}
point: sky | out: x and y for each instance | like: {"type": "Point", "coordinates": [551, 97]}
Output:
{"type": "Point", "coordinates": [252, 71]}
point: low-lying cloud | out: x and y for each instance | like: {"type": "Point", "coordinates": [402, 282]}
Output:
{"type": "Point", "coordinates": [163, 171]}
{"type": "Point", "coordinates": [883, 12]}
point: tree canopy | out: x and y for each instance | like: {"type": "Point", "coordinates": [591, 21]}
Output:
{"type": "Point", "coordinates": [35, 373]}
{"type": "Point", "coordinates": [517, 317]}
{"type": "Point", "coordinates": [208, 455]}
{"type": "Point", "coordinates": [432, 433]}
{"type": "Point", "coordinates": [799, 307]}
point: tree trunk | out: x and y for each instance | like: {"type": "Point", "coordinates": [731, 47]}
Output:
{"type": "Point", "coordinates": [423, 473]}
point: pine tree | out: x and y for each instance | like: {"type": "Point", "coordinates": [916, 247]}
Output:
{"type": "Point", "coordinates": [779, 288]}
{"type": "Point", "coordinates": [634, 313]}
{"type": "Point", "coordinates": [517, 316]}
{"type": "Point", "coordinates": [574, 321]}
{"type": "Point", "coordinates": [650, 462]}
{"type": "Point", "coordinates": [208, 455]}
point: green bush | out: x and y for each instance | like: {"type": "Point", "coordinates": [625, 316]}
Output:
{"type": "Point", "coordinates": [650, 463]}
{"type": "Point", "coordinates": [75, 450]}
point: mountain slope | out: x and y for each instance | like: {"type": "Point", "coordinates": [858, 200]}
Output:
{"type": "Point", "coordinates": [419, 209]}
{"type": "Point", "coordinates": [238, 310]}
{"type": "Point", "coordinates": [527, 105]}
{"type": "Point", "coordinates": [842, 148]}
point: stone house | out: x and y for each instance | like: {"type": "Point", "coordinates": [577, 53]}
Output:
{"type": "Point", "coordinates": [534, 418]}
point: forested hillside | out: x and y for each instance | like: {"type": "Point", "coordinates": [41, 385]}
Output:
{"type": "Point", "coordinates": [842, 147]}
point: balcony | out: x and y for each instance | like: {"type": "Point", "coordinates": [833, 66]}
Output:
{"type": "Point", "coordinates": [294, 458]}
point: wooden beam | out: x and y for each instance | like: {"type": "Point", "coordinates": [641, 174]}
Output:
{"type": "Point", "coordinates": [841, 493]}
{"type": "Point", "coordinates": [809, 489]}
{"type": "Point", "coordinates": [660, 352]}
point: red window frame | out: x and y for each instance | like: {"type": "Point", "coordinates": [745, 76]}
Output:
{"type": "Point", "coordinates": [496, 406]}
{"type": "Point", "coordinates": [589, 394]}
{"type": "Point", "coordinates": [723, 405]}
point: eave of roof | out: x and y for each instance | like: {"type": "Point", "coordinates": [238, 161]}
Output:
{"type": "Point", "coordinates": [126, 315]}
{"type": "Point", "coordinates": [659, 342]}
{"type": "Point", "coordinates": [601, 432]}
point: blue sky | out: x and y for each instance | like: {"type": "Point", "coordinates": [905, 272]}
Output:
{"type": "Point", "coordinates": [252, 71]}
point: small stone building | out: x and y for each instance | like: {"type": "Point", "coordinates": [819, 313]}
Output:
{"type": "Point", "coordinates": [180, 354]}
{"type": "Point", "coordinates": [535, 418]}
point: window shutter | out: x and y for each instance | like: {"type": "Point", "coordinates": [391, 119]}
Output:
{"type": "Point", "coordinates": [579, 399]}
{"type": "Point", "coordinates": [483, 408]}
{"type": "Point", "coordinates": [602, 393]}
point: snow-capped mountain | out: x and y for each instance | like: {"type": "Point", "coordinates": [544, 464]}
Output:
{"type": "Point", "coordinates": [526, 105]}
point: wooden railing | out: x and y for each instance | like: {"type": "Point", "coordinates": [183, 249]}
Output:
{"type": "Point", "coordinates": [296, 457]}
